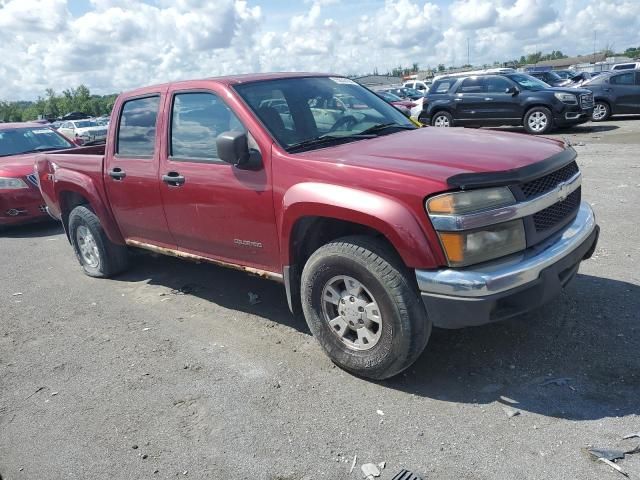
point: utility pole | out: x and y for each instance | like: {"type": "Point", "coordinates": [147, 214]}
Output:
{"type": "Point", "coordinates": [468, 62]}
{"type": "Point", "coordinates": [594, 46]}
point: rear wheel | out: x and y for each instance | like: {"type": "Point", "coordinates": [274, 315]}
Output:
{"type": "Point", "coordinates": [363, 308]}
{"type": "Point", "coordinates": [98, 255]}
{"type": "Point", "coordinates": [538, 121]}
{"type": "Point", "coordinates": [601, 111]}
{"type": "Point", "coordinates": [442, 119]}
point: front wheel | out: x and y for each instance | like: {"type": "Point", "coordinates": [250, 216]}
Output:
{"type": "Point", "coordinates": [538, 121]}
{"type": "Point", "coordinates": [601, 111]}
{"type": "Point", "coordinates": [363, 308]}
{"type": "Point", "coordinates": [98, 255]}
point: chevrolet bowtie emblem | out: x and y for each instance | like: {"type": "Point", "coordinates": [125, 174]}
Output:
{"type": "Point", "coordinates": [563, 191]}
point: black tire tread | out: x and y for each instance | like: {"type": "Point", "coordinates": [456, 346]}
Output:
{"type": "Point", "coordinates": [116, 258]}
{"type": "Point", "coordinates": [384, 262]}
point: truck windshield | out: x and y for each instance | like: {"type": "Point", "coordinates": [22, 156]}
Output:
{"type": "Point", "coordinates": [314, 112]}
{"type": "Point", "coordinates": [528, 82]}
{"type": "Point", "coordinates": [17, 141]}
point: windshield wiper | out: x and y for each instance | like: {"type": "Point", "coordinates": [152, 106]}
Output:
{"type": "Point", "coordinates": [325, 140]}
{"type": "Point", "coordinates": [45, 149]}
{"type": "Point", "coordinates": [384, 126]}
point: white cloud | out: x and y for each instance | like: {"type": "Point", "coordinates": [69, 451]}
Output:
{"type": "Point", "coordinates": [112, 45]}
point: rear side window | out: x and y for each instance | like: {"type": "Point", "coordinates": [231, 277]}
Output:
{"type": "Point", "coordinates": [624, 79]}
{"type": "Point", "coordinates": [137, 127]}
{"type": "Point", "coordinates": [197, 119]}
{"type": "Point", "coordinates": [472, 85]}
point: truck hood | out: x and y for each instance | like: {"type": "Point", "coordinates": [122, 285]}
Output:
{"type": "Point", "coordinates": [439, 153]}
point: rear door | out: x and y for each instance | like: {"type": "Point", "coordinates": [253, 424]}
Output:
{"type": "Point", "coordinates": [215, 209]}
{"type": "Point", "coordinates": [131, 177]}
{"type": "Point", "coordinates": [470, 100]}
{"type": "Point", "coordinates": [624, 88]}
{"type": "Point", "coordinates": [499, 106]}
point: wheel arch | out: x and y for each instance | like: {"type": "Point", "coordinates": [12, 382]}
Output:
{"type": "Point", "coordinates": [73, 190]}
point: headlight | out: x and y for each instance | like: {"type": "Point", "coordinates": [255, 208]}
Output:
{"type": "Point", "coordinates": [474, 246]}
{"type": "Point", "coordinates": [466, 248]}
{"type": "Point", "coordinates": [12, 183]}
{"type": "Point", "coordinates": [459, 203]}
{"type": "Point", "coordinates": [566, 97]}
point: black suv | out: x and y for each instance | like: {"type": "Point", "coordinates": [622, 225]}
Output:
{"type": "Point", "coordinates": [615, 92]}
{"type": "Point", "coordinates": [505, 99]}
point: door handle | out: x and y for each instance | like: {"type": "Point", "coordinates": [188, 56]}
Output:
{"type": "Point", "coordinates": [488, 98]}
{"type": "Point", "coordinates": [458, 99]}
{"type": "Point", "coordinates": [117, 173]}
{"type": "Point", "coordinates": [173, 179]}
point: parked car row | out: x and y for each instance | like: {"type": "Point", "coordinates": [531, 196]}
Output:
{"type": "Point", "coordinates": [513, 98]}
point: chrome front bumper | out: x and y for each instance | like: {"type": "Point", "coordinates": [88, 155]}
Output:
{"type": "Point", "coordinates": [547, 267]}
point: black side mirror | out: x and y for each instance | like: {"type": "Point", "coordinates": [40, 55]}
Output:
{"type": "Point", "coordinates": [233, 148]}
{"type": "Point", "coordinates": [512, 90]}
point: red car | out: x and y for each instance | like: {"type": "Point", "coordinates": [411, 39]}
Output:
{"type": "Point", "coordinates": [378, 230]}
{"type": "Point", "coordinates": [402, 104]}
{"type": "Point", "coordinates": [20, 198]}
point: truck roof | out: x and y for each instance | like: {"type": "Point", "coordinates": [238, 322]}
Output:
{"type": "Point", "coordinates": [231, 80]}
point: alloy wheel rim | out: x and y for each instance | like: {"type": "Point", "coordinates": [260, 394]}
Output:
{"type": "Point", "coordinates": [88, 247]}
{"type": "Point", "coordinates": [599, 111]}
{"type": "Point", "coordinates": [537, 121]}
{"type": "Point", "coordinates": [351, 312]}
{"type": "Point", "coordinates": [441, 121]}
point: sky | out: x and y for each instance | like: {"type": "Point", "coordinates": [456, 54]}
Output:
{"type": "Point", "coordinates": [115, 45]}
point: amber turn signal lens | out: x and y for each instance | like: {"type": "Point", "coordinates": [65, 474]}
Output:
{"type": "Point", "coordinates": [453, 244]}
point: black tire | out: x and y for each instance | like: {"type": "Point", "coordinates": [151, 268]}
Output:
{"type": "Point", "coordinates": [111, 258]}
{"type": "Point", "coordinates": [538, 112]}
{"type": "Point", "coordinates": [597, 106]}
{"type": "Point", "coordinates": [442, 119]}
{"type": "Point", "coordinates": [404, 326]}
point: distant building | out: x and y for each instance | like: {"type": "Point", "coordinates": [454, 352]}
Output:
{"type": "Point", "coordinates": [378, 80]}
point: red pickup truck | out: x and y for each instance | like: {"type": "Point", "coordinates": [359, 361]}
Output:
{"type": "Point", "coordinates": [378, 230]}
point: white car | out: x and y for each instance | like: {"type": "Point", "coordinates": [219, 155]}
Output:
{"type": "Point", "coordinates": [626, 66]}
{"type": "Point", "coordinates": [83, 131]}
{"type": "Point", "coordinates": [417, 85]}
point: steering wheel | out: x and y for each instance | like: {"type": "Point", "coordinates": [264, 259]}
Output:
{"type": "Point", "coordinates": [349, 120]}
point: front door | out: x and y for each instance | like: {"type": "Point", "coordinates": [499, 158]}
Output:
{"type": "Point", "coordinates": [498, 104]}
{"type": "Point", "coordinates": [625, 91]}
{"type": "Point", "coordinates": [215, 209]}
{"type": "Point", "coordinates": [131, 177]}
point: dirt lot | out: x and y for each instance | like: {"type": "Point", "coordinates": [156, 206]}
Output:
{"type": "Point", "coordinates": [124, 379]}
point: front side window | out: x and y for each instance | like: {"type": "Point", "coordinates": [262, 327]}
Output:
{"type": "Point", "coordinates": [197, 119]}
{"type": "Point", "coordinates": [624, 79]}
{"type": "Point", "coordinates": [137, 127]}
{"type": "Point", "coordinates": [496, 84]}
{"type": "Point", "coordinates": [314, 112]}
{"type": "Point", "coordinates": [17, 141]}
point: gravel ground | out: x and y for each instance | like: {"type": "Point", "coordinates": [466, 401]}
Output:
{"type": "Point", "coordinates": [124, 379]}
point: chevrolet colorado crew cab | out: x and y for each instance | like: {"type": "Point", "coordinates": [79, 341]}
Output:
{"type": "Point", "coordinates": [378, 230]}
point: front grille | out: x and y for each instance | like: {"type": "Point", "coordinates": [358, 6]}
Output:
{"type": "Point", "coordinates": [557, 213]}
{"type": "Point", "coordinates": [586, 100]}
{"type": "Point", "coordinates": [33, 178]}
{"type": "Point", "coordinates": [547, 183]}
